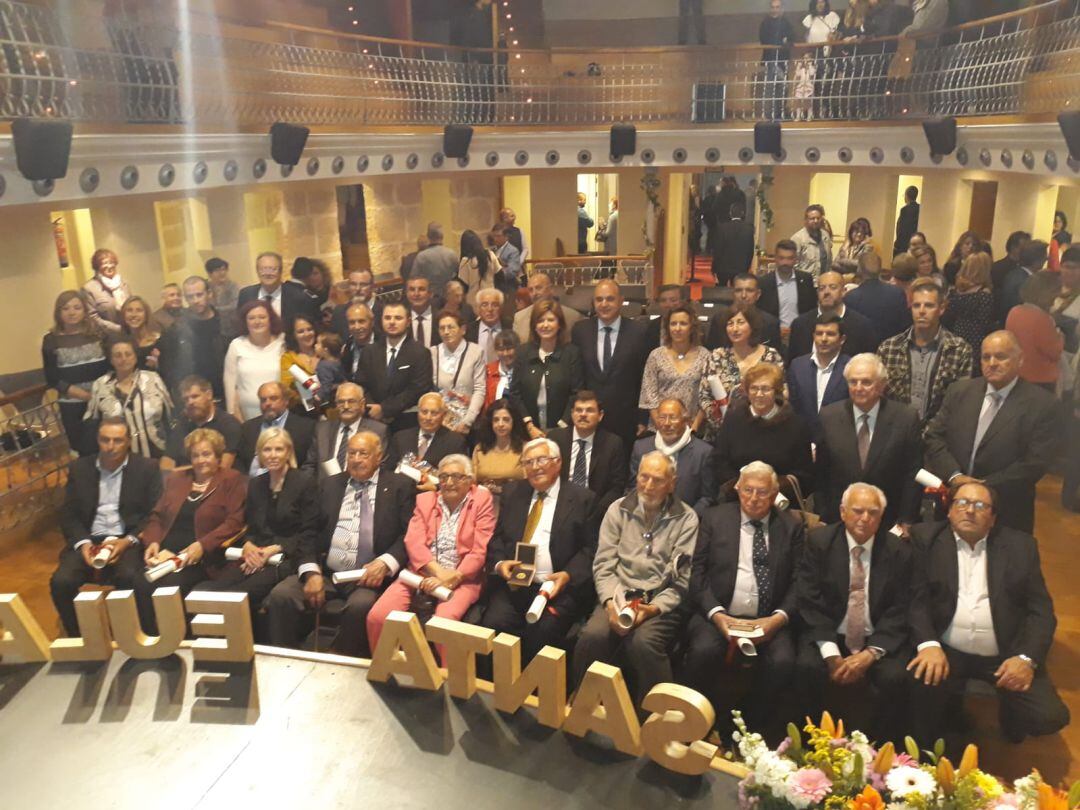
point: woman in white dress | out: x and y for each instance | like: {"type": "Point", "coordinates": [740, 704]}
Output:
{"type": "Point", "coordinates": [459, 373]}
{"type": "Point", "coordinates": [253, 358]}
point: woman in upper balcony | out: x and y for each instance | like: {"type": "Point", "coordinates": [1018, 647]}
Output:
{"type": "Point", "coordinates": [821, 24]}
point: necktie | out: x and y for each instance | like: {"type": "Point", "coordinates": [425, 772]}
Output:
{"type": "Point", "coordinates": [607, 348]}
{"type": "Point", "coordinates": [581, 474]}
{"type": "Point", "coordinates": [420, 330]}
{"type": "Point", "coordinates": [984, 425]}
{"type": "Point", "coordinates": [863, 439]}
{"type": "Point", "coordinates": [365, 545]}
{"type": "Point", "coordinates": [425, 442]}
{"type": "Point", "coordinates": [761, 568]}
{"type": "Point", "coordinates": [856, 604]}
{"type": "Point", "coordinates": [533, 520]}
{"type": "Point", "coordinates": [489, 348]}
{"type": "Point", "coordinates": [390, 368]}
{"type": "Point", "coordinates": [343, 447]}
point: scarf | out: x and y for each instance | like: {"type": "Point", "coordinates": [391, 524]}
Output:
{"type": "Point", "coordinates": [111, 284]}
{"type": "Point", "coordinates": [672, 450]}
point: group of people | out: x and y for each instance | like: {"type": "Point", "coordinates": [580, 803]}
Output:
{"type": "Point", "coordinates": [455, 466]}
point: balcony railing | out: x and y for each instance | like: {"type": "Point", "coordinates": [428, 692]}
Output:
{"type": "Point", "coordinates": [1027, 62]}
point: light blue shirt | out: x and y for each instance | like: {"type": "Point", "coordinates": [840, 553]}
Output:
{"type": "Point", "coordinates": [256, 468]}
{"type": "Point", "coordinates": [510, 257]}
{"type": "Point", "coordinates": [787, 293]}
{"type": "Point", "coordinates": [857, 412]}
{"type": "Point", "coordinates": [107, 520]}
{"type": "Point", "coordinates": [600, 333]}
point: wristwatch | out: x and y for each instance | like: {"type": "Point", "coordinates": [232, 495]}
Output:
{"type": "Point", "coordinates": [877, 652]}
{"type": "Point", "coordinates": [1027, 660]}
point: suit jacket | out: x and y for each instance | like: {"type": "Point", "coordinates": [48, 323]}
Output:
{"type": "Point", "coordinates": [565, 377]}
{"type": "Point", "coordinates": [716, 559]}
{"type": "Point", "coordinates": [339, 318]}
{"type": "Point", "coordinates": [953, 363]}
{"type": "Point", "coordinates": [350, 357]}
{"type": "Point", "coordinates": [401, 390]}
{"type": "Point", "coordinates": [140, 489]}
{"type": "Point", "coordinates": [733, 250]}
{"type": "Point", "coordinates": [444, 442]}
{"type": "Point", "coordinates": [1014, 453]}
{"type": "Point", "coordinates": [573, 545]}
{"type": "Point", "coordinates": [472, 329]}
{"type": "Point", "coordinates": [474, 530]}
{"type": "Point", "coordinates": [906, 226]}
{"type": "Point", "coordinates": [616, 384]}
{"type": "Point", "coordinates": [1020, 606]}
{"type": "Point", "coordinates": [294, 301]}
{"type": "Point", "coordinates": [893, 461]}
{"type": "Point", "coordinates": [219, 516]}
{"type": "Point", "coordinates": [770, 298]}
{"type": "Point", "coordinates": [301, 431]}
{"type": "Point", "coordinates": [859, 334]}
{"type": "Point", "coordinates": [322, 445]}
{"type": "Point", "coordinates": [1008, 294]}
{"type": "Point", "coordinates": [884, 304]}
{"type": "Point", "coordinates": [802, 387]}
{"type": "Point", "coordinates": [291, 520]}
{"type": "Point", "coordinates": [770, 331]}
{"type": "Point", "coordinates": [696, 482]}
{"type": "Point", "coordinates": [394, 504]}
{"type": "Point", "coordinates": [825, 577]}
{"type": "Point", "coordinates": [608, 470]}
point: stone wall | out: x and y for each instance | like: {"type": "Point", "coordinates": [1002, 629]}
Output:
{"type": "Point", "coordinates": [394, 220]}
{"type": "Point", "coordinates": [309, 225]}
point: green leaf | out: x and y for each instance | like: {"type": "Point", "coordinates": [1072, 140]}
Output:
{"type": "Point", "coordinates": [1074, 795]}
{"type": "Point", "coordinates": [912, 748]}
{"type": "Point", "coordinates": [795, 736]}
{"type": "Point", "coordinates": [858, 768]}
{"type": "Point", "coordinates": [939, 748]}
{"type": "Point", "coordinates": [930, 755]}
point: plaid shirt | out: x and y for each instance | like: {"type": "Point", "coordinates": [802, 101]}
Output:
{"type": "Point", "coordinates": [954, 362]}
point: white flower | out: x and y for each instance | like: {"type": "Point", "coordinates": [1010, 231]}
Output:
{"type": "Point", "coordinates": [1027, 790]}
{"type": "Point", "coordinates": [771, 771]}
{"type": "Point", "coordinates": [906, 780]}
{"type": "Point", "coordinates": [898, 806]}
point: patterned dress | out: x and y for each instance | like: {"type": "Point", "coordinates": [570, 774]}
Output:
{"type": "Point", "coordinates": [725, 366]}
{"type": "Point", "coordinates": [663, 381]}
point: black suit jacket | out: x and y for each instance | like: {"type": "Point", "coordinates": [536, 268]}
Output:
{"type": "Point", "coordinates": [770, 298]}
{"type": "Point", "coordinates": [1020, 606]}
{"type": "Point", "coordinates": [339, 319]}
{"type": "Point", "coordinates": [906, 226]}
{"type": "Point", "coordinates": [893, 461]}
{"type": "Point", "coordinates": [294, 301]}
{"type": "Point", "coordinates": [444, 442]}
{"type": "Point", "coordinates": [618, 385]}
{"type": "Point", "coordinates": [472, 329]}
{"type": "Point", "coordinates": [716, 559]}
{"type": "Point", "coordinates": [350, 358]}
{"type": "Point", "coordinates": [565, 377]}
{"type": "Point", "coordinates": [301, 431]}
{"type": "Point", "coordinates": [733, 250]}
{"type": "Point", "coordinates": [825, 577]}
{"type": "Point", "coordinates": [609, 469]}
{"type": "Point", "coordinates": [140, 488]}
{"type": "Point", "coordinates": [770, 331]}
{"type": "Point", "coordinates": [575, 530]}
{"type": "Point", "coordinates": [291, 521]}
{"type": "Point", "coordinates": [1014, 453]}
{"type": "Point", "coordinates": [859, 334]}
{"type": "Point", "coordinates": [402, 389]}
{"type": "Point", "coordinates": [394, 506]}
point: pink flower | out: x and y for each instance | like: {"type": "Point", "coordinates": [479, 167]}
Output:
{"type": "Point", "coordinates": [808, 786]}
{"type": "Point", "coordinates": [903, 759]}
{"type": "Point", "coordinates": [784, 746]}
{"type": "Point", "coordinates": [1007, 800]}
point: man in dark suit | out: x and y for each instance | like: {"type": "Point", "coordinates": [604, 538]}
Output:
{"type": "Point", "coordinates": [287, 298]}
{"type": "Point", "coordinates": [695, 483]}
{"type": "Point", "coordinates": [885, 305]}
{"type": "Point", "coordinates": [430, 441]}
{"type": "Point", "coordinates": [362, 288]}
{"type": "Point", "coordinates": [108, 498]}
{"type": "Point", "coordinates": [786, 293]}
{"type": "Point", "coordinates": [908, 221]}
{"type": "Point", "coordinates": [394, 371]}
{"type": "Point", "coordinates": [859, 334]}
{"type": "Point", "coordinates": [734, 248]}
{"type": "Point", "coordinates": [407, 261]}
{"type": "Point", "coordinates": [614, 350]}
{"type": "Point", "coordinates": [1032, 259]}
{"type": "Point", "coordinates": [361, 333]}
{"type": "Point", "coordinates": [981, 610]}
{"type": "Point", "coordinates": [744, 571]}
{"type": "Point", "coordinates": [854, 595]}
{"type": "Point", "coordinates": [746, 292]}
{"type": "Point", "coordinates": [564, 533]}
{"type": "Point", "coordinates": [274, 405]}
{"type": "Point", "coordinates": [327, 450]}
{"type": "Point", "coordinates": [423, 328]}
{"type": "Point", "coordinates": [817, 379]}
{"type": "Point", "coordinates": [592, 458]}
{"type": "Point", "coordinates": [996, 429]}
{"type": "Point", "coordinates": [363, 515]}
{"type": "Point", "coordinates": [668, 297]}
{"type": "Point", "coordinates": [490, 321]}
{"type": "Point", "coordinates": [870, 439]}
{"type": "Point", "coordinates": [1006, 264]}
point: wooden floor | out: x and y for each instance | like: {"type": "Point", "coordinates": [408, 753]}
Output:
{"type": "Point", "coordinates": [28, 556]}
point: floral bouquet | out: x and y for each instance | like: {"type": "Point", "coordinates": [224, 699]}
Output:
{"type": "Point", "coordinates": [833, 771]}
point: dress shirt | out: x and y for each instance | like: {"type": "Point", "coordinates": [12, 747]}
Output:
{"type": "Point", "coordinates": [1003, 392]}
{"type": "Point", "coordinates": [822, 375]}
{"type": "Point", "coordinates": [858, 413]}
{"type": "Point", "coordinates": [393, 347]}
{"type": "Point", "coordinates": [485, 336]}
{"type": "Point", "coordinates": [338, 438]}
{"type": "Point", "coordinates": [504, 382]}
{"type": "Point", "coordinates": [275, 298]}
{"type": "Point", "coordinates": [107, 520]}
{"type": "Point", "coordinates": [744, 599]}
{"type": "Point", "coordinates": [600, 334]}
{"type": "Point", "coordinates": [575, 448]}
{"type": "Point", "coordinates": [972, 627]}
{"type": "Point", "coordinates": [444, 545]}
{"type": "Point", "coordinates": [428, 317]}
{"type": "Point", "coordinates": [541, 537]}
{"type": "Point", "coordinates": [787, 294]}
{"type": "Point", "coordinates": [922, 361]}
{"type": "Point", "coordinates": [256, 468]}
{"type": "Point", "coordinates": [344, 542]}
{"type": "Point", "coordinates": [831, 648]}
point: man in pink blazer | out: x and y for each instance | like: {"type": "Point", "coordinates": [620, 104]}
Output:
{"type": "Point", "coordinates": [447, 542]}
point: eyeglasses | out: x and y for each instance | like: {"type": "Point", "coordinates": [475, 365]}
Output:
{"type": "Point", "coordinates": [978, 506]}
{"type": "Point", "coordinates": [761, 390]}
{"type": "Point", "coordinates": [539, 461]}
{"type": "Point", "coordinates": [451, 478]}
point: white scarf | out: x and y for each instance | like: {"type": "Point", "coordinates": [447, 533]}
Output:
{"type": "Point", "coordinates": [672, 450]}
{"type": "Point", "coordinates": [111, 284]}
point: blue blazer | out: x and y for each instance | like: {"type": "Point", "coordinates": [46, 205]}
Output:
{"type": "Point", "coordinates": [802, 387]}
{"type": "Point", "coordinates": [884, 304]}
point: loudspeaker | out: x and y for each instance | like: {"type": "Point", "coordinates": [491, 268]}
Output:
{"type": "Point", "coordinates": [456, 139]}
{"type": "Point", "coordinates": [287, 143]}
{"type": "Point", "coordinates": [1070, 128]}
{"type": "Point", "coordinates": [42, 148]}
{"type": "Point", "coordinates": [623, 140]}
{"type": "Point", "coordinates": [941, 135]}
{"type": "Point", "coordinates": [767, 138]}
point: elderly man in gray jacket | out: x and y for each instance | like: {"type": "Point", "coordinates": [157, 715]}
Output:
{"type": "Point", "coordinates": [642, 576]}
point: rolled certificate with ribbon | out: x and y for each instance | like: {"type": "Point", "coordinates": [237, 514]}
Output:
{"type": "Point", "coordinates": [234, 553]}
{"type": "Point", "coordinates": [413, 580]}
{"type": "Point", "coordinates": [716, 388]}
{"type": "Point", "coordinates": [341, 577]}
{"type": "Point", "coordinates": [163, 569]}
{"type": "Point", "coordinates": [101, 557]}
{"type": "Point", "coordinates": [781, 502]}
{"type": "Point", "coordinates": [929, 480]}
{"type": "Point", "coordinates": [307, 385]}
{"type": "Point", "coordinates": [536, 609]}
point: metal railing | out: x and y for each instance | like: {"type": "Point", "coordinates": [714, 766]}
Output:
{"type": "Point", "coordinates": [34, 456]}
{"type": "Point", "coordinates": [1027, 62]}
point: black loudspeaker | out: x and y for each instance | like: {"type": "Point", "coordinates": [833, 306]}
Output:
{"type": "Point", "coordinates": [42, 148]}
{"type": "Point", "coordinates": [941, 135]}
{"type": "Point", "coordinates": [287, 143]}
{"type": "Point", "coordinates": [623, 140]}
{"type": "Point", "coordinates": [455, 140]}
{"type": "Point", "coordinates": [767, 138]}
{"type": "Point", "coordinates": [1070, 128]}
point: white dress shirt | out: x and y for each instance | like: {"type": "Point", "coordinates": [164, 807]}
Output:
{"type": "Point", "coordinates": [575, 448]}
{"type": "Point", "coordinates": [542, 535]}
{"type": "Point", "coordinates": [822, 375]}
{"type": "Point", "coordinates": [339, 437]}
{"type": "Point", "coordinates": [393, 347]}
{"type": "Point", "coordinates": [504, 382]}
{"type": "Point", "coordinates": [600, 334]}
{"type": "Point", "coordinates": [275, 298]}
{"type": "Point", "coordinates": [107, 521]}
{"type": "Point", "coordinates": [428, 317]}
{"type": "Point", "coordinates": [830, 648]}
{"type": "Point", "coordinates": [744, 599]}
{"type": "Point", "coordinates": [972, 627]}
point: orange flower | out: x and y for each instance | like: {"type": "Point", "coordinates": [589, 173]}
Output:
{"type": "Point", "coordinates": [869, 799]}
{"type": "Point", "coordinates": [1050, 799]}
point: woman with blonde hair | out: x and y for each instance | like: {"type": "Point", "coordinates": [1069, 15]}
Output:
{"type": "Point", "coordinates": [969, 309]}
{"type": "Point", "coordinates": [135, 322]}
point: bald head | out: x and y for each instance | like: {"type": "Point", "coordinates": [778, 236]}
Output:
{"type": "Point", "coordinates": [430, 412]}
{"type": "Point", "coordinates": [1001, 358]}
{"type": "Point", "coordinates": [607, 301]}
{"type": "Point", "coordinates": [830, 291]}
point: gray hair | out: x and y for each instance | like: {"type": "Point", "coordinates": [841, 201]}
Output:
{"type": "Point", "coordinates": [668, 460]}
{"type": "Point", "coordinates": [434, 232]}
{"type": "Point", "coordinates": [552, 448]}
{"type": "Point", "coordinates": [272, 433]}
{"type": "Point", "coordinates": [862, 486]}
{"type": "Point", "coordinates": [491, 292]}
{"type": "Point", "coordinates": [871, 359]}
{"type": "Point", "coordinates": [457, 458]}
{"type": "Point", "coordinates": [755, 468]}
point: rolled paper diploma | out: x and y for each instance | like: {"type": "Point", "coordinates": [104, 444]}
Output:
{"type": "Point", "coordinates": [341, 577]}
{"type": "Point", "coordinates": [928, 479]}
{"type": "Point", "coordinates": [627, 617]}
{"type": "Point", "coordinates": [409, 471]}
{"type": "Point", "coordinates": [746, 647]}
{"type": "Point", "coordinates": [234, 553]}
{"type": "Point", "coordinates": [781, 502]}
{"type": "Point", "coordinates": [716, 388]}
{"type": "Point", "coordinates": [413, 580]}
{"type": "Point", "coordinates": [101, 558]}
{"type": "Point", "coordinates": [536, 609]}
{"type": "Point", "coordinates": [897, 530]}
{"type": "Point", "coordinates": [163, 569]}
{"type": "Point", "coordinates": [308, 381]}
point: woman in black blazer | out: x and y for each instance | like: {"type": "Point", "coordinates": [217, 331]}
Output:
{"type": "Point", "coordinates": [282, 514]}
{"type": "Point", "coordinates": [547, 371]}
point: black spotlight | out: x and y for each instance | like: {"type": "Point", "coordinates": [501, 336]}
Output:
{"type": "Point", "coordinates": [287, 143]}
{"type": "Point", "coordinates": [456, 139]}
{"type": "Point", "coordinates": [42, 148]}
{"type": "Point", "coordinates": [767, 138]}
{"type": "Point", "coordinates": [941, 135]}
{"type": "Point", "coordinates": [623, 140]}
{"type": "Point", "coordinates": [1070, 128]}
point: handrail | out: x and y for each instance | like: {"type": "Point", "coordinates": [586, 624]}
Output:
{"type": "Point", "coordinates": [23, 393]}
{"type": "Point", "coordinates": [592, 259]}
